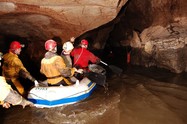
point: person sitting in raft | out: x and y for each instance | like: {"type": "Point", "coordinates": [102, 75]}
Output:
{"type": "Point", "coordinates": [9, 97]}
{"type": "Point", "coordinates": [13, 68]}
{"type": "Point", "coordinates": [54, 67]}
{"type": "Point", "coordinates": [67, 48]}
{"type": "Point", "coordinates": [82, 56]}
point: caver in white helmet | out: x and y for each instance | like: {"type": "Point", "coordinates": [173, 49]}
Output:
{"type": "Point", "coordinates": [67, 46]}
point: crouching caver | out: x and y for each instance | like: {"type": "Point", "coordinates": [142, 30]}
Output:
{"type": "Point", "coordinates": [9, 97]}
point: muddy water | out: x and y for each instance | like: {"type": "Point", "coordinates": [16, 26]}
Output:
{"type": "Point", "coordinates": [139, 96]}
{"type": "Point", "coordinates": [153, 96]}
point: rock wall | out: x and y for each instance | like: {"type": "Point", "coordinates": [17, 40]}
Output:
{"type": "Point", "coordinates": [161, 39]}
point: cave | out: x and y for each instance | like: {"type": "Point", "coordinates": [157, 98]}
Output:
{"type": "Point", "coordinates": [154, 32]}
{"type": "Point", "coordinates": [157, 32]}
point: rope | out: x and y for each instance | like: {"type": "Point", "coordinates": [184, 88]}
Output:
{"type": "Point", "coordinates": [79, 56]}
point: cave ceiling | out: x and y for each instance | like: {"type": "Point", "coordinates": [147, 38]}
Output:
{"type": "Point", "coordinates": [49, 18]}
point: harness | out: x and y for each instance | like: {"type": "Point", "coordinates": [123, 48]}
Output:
{"type": "Point", "coordinates": [54, 77]}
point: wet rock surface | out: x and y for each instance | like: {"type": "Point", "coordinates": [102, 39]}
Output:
{"type": "Point", "coordinates": [164, 47]}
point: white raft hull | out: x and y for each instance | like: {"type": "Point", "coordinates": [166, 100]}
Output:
{"type": "Point", "coordinates": [54, 96]}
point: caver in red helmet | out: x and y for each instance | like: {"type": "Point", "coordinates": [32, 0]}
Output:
{"type": "Point", "coordinates": [50, 44]}
{"type": "Point", "coordinates": [84, 42]}
{"type": "Point", "coordinates": [15, 45]}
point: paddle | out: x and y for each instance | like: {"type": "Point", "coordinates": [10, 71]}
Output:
{"type": "Point", "coordinates": [114, 68]}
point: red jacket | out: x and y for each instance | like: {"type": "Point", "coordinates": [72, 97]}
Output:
{"type": "Point", "coordinates": [82, 56]}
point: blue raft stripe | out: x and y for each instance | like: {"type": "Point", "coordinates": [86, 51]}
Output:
{"type": "Point", "coordinates": [89, 84]}
{"type": "Point", "coordinates": [64, 100]}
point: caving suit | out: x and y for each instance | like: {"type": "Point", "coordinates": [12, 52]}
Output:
{"type": "Point", "coordinates": [7, 94]}
{"type": "Point", "coordinates": [4, 89]}
{"type": "Point", "coordinates": [67, 59]}
{"type": "Point", "coordinates": [13, 68]}
{"type": "Point", "coordinates": [82, 56]}
{"type": "Point", "coordinates": [54, 68]}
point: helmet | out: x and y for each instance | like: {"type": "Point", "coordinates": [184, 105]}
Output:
{"type": "Point", "coordinates": [50, 44]}
{"type": "Point", "coordinates": [67, 46]}
{"type": "Point", "coordinates": [84, 42]}
{"type": "Point", "coordinates": [15, 45]}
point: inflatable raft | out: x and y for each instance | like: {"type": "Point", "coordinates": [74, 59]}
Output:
{"type": "Point", "coordinates": [54, 96]}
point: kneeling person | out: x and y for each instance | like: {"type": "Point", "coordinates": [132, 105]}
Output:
{"type": "Point", "coordinates": [9, 97]}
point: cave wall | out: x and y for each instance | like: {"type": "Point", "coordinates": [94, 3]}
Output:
{"type": "Point", "coordinates": [157, 29]}
{"type": "Point", "coordinates": [163, 42]}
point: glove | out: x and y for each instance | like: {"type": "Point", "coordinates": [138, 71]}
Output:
{"type": "Point", "coordinates": [98, 61]}
{"type": "Point", "coordinates": [27, 75]}
{"type": "Point", "coordinates": [36, 83]}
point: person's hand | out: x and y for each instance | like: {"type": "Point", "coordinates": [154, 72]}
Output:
{"type": "Point", "coordinates": [98, 61]}
{"type": "Point", "coordinates": [75, 69]}
{"type": "Point", "coordinates": [72, 39]}
{"type": "Point", "coordinates": [80, 71]}
{"type": "Point", "coordinates": [6, 105]}
{"type": "Point", "coordinates": [25, 103]}
{"type": "Point", "coordinates": [36, 83]}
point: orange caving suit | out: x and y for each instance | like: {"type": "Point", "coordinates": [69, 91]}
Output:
{"type": "Point", "coordinates": [54, 68]}
{"type": "Point", "coordinates": [11, 69]}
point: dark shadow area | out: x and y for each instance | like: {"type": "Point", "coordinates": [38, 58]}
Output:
{"type": "Point", "coordinates": [59, 44]}
{"type": "Point", "coordinates": [2, 114]}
